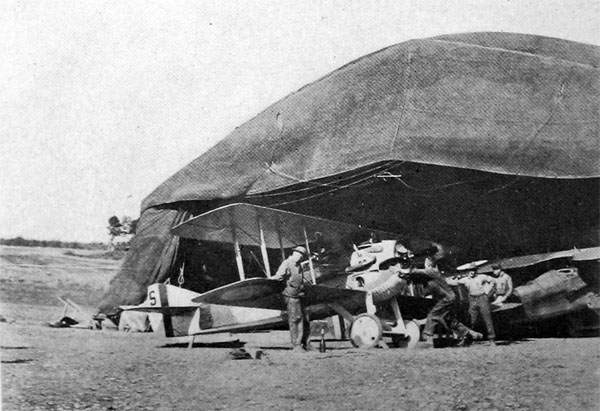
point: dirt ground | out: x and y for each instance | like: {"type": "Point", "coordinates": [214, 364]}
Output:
{"type": "Point", "coordinates": [75, 369]}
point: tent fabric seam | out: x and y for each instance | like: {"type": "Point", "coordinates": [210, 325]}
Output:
{"type": "Point", "coordinates": [542, 56]}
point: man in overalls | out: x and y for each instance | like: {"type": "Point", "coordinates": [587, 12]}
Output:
{"type": "Point", "coordinates": [291, 271]}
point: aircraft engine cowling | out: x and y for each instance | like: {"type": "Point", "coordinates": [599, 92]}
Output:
{"type": "Point", "coordinates": [392, 287]}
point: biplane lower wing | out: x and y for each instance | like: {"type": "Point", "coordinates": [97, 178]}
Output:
{"type": "Point", "coordinates": [266, 324]}
{"type": "Point", "coordinates": [144, 308]}
{"type": "Point", "coordinates": [266, 293]}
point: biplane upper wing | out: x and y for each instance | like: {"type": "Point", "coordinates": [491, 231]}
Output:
{"type": "Point", "coordinates": [244, 223]}
{"type": "Point", "coordinates": [528, 260]}
{"type": "Point", "coordinates": [587, 254]}
{"type": "Point", "coordinates": [265, 293]}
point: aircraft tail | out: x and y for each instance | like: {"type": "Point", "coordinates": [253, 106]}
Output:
{"type": "Point", "coordinates": [170, 308]}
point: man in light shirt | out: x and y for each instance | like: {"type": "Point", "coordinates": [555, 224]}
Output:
{"type": "Point", "coordinates": [504, 284]}
{"type": "Point", "coordinates": [479, 287]}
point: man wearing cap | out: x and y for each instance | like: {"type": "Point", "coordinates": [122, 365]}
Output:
{"type": "Point", "coordinates": [291, 271]}
{"type": "Point", "coordinates": [504, 284]}
{"type": "Point", "coordinates": [478, 286]}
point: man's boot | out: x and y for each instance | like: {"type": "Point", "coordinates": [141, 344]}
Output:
{"type": "Point", "coordinates": [465, 341]}
{"type": "Point", "coordinates": [475, 335]}
{"type": "Point", "coordinates": [298, 349]}
{"type": "Point", "coordinates": [427, 342]}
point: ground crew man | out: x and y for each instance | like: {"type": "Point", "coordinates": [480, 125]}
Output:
{"type": "Point", "coordinates": [442, 311]}
{"type": "Point", "coordinates": [478, 286]}
{"type": "Point", "coordinates": [504, 284]}
{"type": "Point", "coordinates": [292, 273]}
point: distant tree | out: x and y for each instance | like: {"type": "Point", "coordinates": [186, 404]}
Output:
{"type": "Point", "coordinates": [23, 242]}
{"type": "Point", "coordinates": [134, 224]}
{"type": "Point", "coordinates": [126, 222]}
{"type": "Point", "coordinates": [114, 226]}
{"type": "Point", "coordinates": [121, 231]}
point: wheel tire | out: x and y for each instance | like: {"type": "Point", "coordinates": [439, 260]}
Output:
{"type": "Point", "coordinates": [413, 335]}
{"type": "Point", "coordinates": [366, 331]}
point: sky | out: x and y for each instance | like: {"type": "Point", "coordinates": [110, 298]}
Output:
{"type": "Point", "coordinates": [101, 101]}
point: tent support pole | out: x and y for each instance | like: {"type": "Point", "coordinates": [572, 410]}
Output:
{"type": "Point", "coordinates": [310, 264]}
{"type": "Point", "coordinates": [263, 250]}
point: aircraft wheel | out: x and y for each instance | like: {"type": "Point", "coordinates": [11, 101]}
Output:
{"type": "Point", "coordinates": [413, 334]}
{"type": "Point", "coordinates": [366, 331]}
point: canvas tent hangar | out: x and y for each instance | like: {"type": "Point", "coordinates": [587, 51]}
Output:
{"type": "Point", "coordinates": [504, 103]}
{"type": "Point", "coordinates": [493, 139]}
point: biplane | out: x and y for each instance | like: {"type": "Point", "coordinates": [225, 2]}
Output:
{"type": "Point", "coordinates": [357, 288]}
{"type": "Point", "coordinates": [555, 293]}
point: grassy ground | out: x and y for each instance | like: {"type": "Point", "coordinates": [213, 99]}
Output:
{"type": "Point", "coordinates": [76, 369]}
{"type": "Point", "coordinates": [38, 276]}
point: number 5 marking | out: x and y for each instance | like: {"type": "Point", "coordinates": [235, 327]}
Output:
{"type": "Point", "coordinates": [152, 297]}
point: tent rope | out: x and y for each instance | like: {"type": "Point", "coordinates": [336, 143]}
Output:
{"type": "Point", "coordinates": [299, 180]}
{"type": "Point", "coordinates": [316, 185]}
{"type": "Point", "coordinates": [386, 174]}
{"type": "Point", "coordinates": [324, 193]}
{"type": "Point", "coordinates": [181, 279]}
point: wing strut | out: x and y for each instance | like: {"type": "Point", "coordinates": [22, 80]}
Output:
{"type": "Point", "coordinates": [238, 253]}
{"type": "Point", "coordinates": [280, 239]}
{"type": "Point", "coordinates": [263, 249]}
{"type": "Point", "coordinates": [310, 264]}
